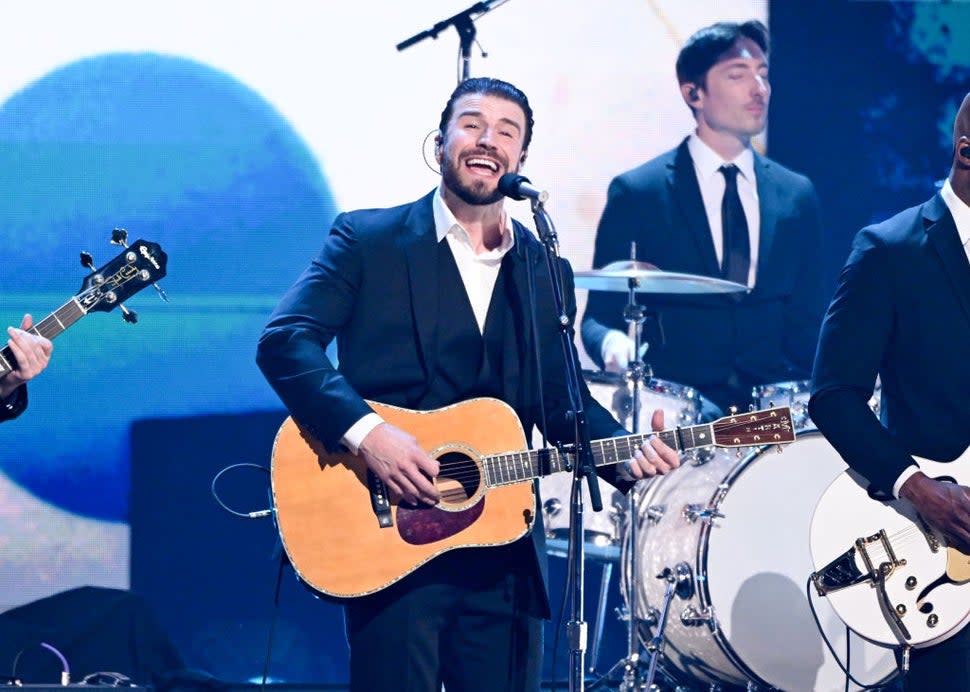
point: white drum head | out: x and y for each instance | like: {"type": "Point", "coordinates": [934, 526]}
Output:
{"type": "Point", "coordinates": [750, 569]}
{"type": "Point", "coordinates": [758, 561]}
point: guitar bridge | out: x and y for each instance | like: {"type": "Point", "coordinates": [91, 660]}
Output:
{"type": "Point", "coordinates": [885, 568]}
{"type": "Point", "coordinates": [380, 500]}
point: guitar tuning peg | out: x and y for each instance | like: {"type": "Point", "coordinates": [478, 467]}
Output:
{"type": "Point", "coordinates": [751, 408]}
{"type": "Point", "coordinates": [779, 448]}
{"type": "Point", "coordinates": [119, 236]}
{"type": "Point", "coordinates": [87, 261]}
{"type": "Point", "coordinates": [733, 410]}
{"type": "Point", "coordinates": [129, 316]}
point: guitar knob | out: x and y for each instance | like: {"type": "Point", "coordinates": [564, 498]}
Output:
{"type": "Point", "coordinates": [910, 583]}
{"type": "Point", "coordinates": [933, 620]}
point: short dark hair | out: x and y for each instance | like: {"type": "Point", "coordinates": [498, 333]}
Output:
{"type": "Point", "coordinates": [489, 86]}
{"type": "Point", "coordinates": [703, 49]}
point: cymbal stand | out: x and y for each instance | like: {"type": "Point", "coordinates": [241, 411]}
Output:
{"type": "Point", "coordinates": [634, 315]}
{"type": "Point", "coordinates": [637, 372]}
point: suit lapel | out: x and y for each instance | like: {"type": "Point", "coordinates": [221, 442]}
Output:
{"type": "Point", "coordinates": [941, 233]}
{"type": "Point", "coordinates": [768, 210]}
{"type": "Point", "coordinates": [420, 249]}
{"type": "Point", "coordinates": [518, 354]}
{"type": "Point", "coordinates": [682, 180]}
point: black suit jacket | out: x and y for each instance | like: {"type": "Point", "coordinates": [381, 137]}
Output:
{"type": "Point", "coordinates": [902, 310]}
{"type": "Point", "coordinates": [769, 335]}
{"type": "Point", "coordinates": [374, 287]}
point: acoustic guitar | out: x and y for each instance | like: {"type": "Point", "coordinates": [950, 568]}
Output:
{"type": "Point", "coordinates": [346, 537]}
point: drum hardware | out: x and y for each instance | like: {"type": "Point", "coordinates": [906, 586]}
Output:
{"type": "Point", "coordinates": [635, 277]}
{"type": "Point", "coordinates": [693, 512]}
{"type": "Point", "coordinates": [679, 581]}
{"type": "Point", "coordinates": [632, 277]}
{"type": "Point", "coordinates": [719, 640]}
{"type": "Point", "coordinates": [699, 456]}
{"type": "Point", "coordinates": [692, 617]}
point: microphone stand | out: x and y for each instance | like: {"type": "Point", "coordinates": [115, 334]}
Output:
{"type": "Point", "coordinates": [584, 467]}
{"type": "Point", "coordinates": [465, 26]}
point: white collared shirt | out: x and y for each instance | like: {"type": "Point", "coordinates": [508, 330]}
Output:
{"type": "Point", "coordinates": [707, 164]}
{"type": "Point", "coordinates": [960, 212]}
{"type": "Point", "coordinates": [479, 272]}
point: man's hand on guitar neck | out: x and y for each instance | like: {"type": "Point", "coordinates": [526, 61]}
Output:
{"type": "Point", "coordinates": [653, 457]}
{"type": "Point", "coordinates": [32, 353]}
{"type": "Point", "coordinates": [944, 506]}
{"type": "Point", "coordinates": [397, 459]}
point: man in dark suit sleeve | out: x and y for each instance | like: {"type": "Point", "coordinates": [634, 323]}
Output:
{"type": "Point", "coordinates": [24, 357]}
{"type": "Point", "coordinates": [430, 304]}
{"type": "Point", "coordinates": [902, 311]}
{"type": "Point", "coordinates": [670, 208]}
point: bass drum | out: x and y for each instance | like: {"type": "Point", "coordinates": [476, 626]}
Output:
{"type": "Point", "coordinates": [748, 618]}
{"type": "Point", "coordinates": [681, 406]}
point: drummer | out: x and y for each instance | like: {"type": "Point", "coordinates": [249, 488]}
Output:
{"type": "Point", "coordinates": [715, 207]}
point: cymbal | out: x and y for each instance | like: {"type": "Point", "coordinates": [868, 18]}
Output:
{"type": "Point", "coordinates": [646, 278]}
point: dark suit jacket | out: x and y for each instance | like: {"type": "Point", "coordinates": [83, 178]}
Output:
{"type": "Point", "coordinates": [769, 335]}
{"type": "Point", "coordinates": [374, 287]}
{"type": "Point", "coordinates": [902, 310]}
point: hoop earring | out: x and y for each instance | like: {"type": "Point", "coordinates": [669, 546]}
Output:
{"type": "Point", "coordinates": [425, 153]}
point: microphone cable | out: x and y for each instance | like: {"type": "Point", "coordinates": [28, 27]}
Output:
{"type": "Point", "coordinates": [65, 668]}
{"type": "Point", "coordinates": [256, 514]}
{"type": "Point", "coordinates": [828, 645]}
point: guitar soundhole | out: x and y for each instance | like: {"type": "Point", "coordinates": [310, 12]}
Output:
{"type": "Point", "coordinates": [459, 478]}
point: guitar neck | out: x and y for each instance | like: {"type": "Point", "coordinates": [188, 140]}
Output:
{"type": "Point", "coordinates": [49, 327]}
{"type": "Point", "coordinates": [515, 467]}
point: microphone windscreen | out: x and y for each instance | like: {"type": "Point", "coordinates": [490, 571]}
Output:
{"type": "Point", "coordinates": [508, 185]}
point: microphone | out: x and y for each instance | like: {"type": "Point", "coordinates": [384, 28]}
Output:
{"type": "Point", "coordinates": [519, 187]}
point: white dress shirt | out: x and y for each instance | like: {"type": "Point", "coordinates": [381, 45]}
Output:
{"type": "Point", "coordinates": [479, 272]}
{"type": "Point", "coordinates": [707, 164]}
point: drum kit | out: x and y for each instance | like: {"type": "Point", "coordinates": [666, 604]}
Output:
{"type": "Point", "coordinates": [713, 557]}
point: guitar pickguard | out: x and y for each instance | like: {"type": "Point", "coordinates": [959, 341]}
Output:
{"type": "Point", "coordinates": [423, 525]}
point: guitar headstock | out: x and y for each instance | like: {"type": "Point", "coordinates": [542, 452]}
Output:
{"type": "Point", "coordinates": [770, 426]}
{"type": "Point", "coordinates": [141, 264]}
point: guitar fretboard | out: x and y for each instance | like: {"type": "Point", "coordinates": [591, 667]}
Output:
{"type": "Point", "coordinates": [49, 327]}
{"type": "Point", "coordinates": [515, 467]}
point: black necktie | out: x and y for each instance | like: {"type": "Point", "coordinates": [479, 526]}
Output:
{"type": "Point", "coordinates": [737, 253]}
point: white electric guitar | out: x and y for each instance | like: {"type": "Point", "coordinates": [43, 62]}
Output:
{"type": "Point", "coordinates": [886, 574]}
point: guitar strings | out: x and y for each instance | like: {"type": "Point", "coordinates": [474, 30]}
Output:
{"type": "Point", "coordinates": [526, 462]}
